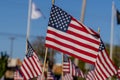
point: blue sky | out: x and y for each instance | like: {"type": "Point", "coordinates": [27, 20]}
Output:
{"type": "Point", "coordinates": [14, 15]}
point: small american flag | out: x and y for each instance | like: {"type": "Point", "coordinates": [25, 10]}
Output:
{"type": "Point", "coordinates": [66, 64]}
{"type": "Point", "coordinates": [17, 75]}
{"type": "Point", "coordinates": [118, 73]}
{"type": "Point", "coordinates": [76, 71]}
{"type": "Point", "coordinates": [30, 67]}
{"type": "Point", "coordinates": [68, 76]}
{"type": "Point", "coordinates": [91, 76]}
{"type": "Point", "coordinates": [69, 36]}
{"type": "Point", "coordinates": [50, 75]}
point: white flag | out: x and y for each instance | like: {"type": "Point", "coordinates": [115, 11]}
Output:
{"type": "Point", "coordinates": [35, 13]}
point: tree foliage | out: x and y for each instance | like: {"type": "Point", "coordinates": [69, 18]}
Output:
{"type": "Point", "coordinates": [3, 63]}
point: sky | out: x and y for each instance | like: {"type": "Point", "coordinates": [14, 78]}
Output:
{"type": "Point", "coordinates": [14, 19]}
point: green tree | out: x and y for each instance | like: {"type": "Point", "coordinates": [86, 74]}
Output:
{"type": "Point", "coordinates": [3, 62]}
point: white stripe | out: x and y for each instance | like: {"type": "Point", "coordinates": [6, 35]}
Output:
{"type": "Point", "coordinates": [71, 43]}
{"type": "Point", "coordinates": [75, 23]}
{"type": "Point", "coordinates": [71, 51]}
{"type": "Point", "coordinates": [66, 67]}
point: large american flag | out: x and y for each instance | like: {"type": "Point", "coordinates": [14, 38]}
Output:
{"type": "Point", "coordinates": [69, 36]}
{"type": "Point", "coordinates": [104, 66]}
{"type": "Point", "coordinates": [30, 67]}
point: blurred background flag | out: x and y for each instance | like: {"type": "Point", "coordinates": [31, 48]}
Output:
{"type": "Point", "coordinates": [118, 17]}
{"type": "Point", "coordinates": [118, 73]}
{"type": "Point", "coordinates": [31, 65]}
{"type": "Point", "coordinates": [35, 12]}
{"type": "Point", "coordinates": [17, 75]}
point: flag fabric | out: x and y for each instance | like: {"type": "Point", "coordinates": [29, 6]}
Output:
{"type": "Point", "coordinates": [35, 13]}
{"type": "Point", "coordinates": [76, 71]}
{"type": "Point", "coordinates": [69, 36]}
{"type": "Point", "coordinates": [50, 75]}
{"type": "Point", "coordinates": [30, 67]}
{"type": "Point", "coordinates": [17, 75]}
{"type": "Point", "coordinates": [70, 68]}
{"type": "Point", "coordinates": [104, 67]}
{"type": "Point", "coordinates": [66, 64]}
{"type": "Point", "coordinates": [91, 75]}
{"type": "Point", "coordinates": [118, 72]}
{"type": "Point", "coordinates": [118, 17]}
{"type": "Point", "coordinates": [68, 76]}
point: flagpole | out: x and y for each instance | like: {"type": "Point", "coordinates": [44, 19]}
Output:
{"type": "Point", "coordinates": [112, 30]}
{"type": "Point", "coordinates": [82, 21]}
{"type": "Point", "coordinates": [44, 62]}
{"type": "Point", "coordinates": [28, 24]}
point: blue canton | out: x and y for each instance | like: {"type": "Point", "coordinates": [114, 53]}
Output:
{"type": "Point", "coordinates": [59, 19]}
{"type": "Point", "coordinates": [29, 50]}
{"type": "Point", "coordinates": [101, 47]}
{"type": "Point", "coordinates": [65, 59]}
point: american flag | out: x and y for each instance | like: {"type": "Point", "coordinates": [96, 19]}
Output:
{"type": "Point", "coordinates": [66, 64]}
{"type": "Point", "coordinates": [17, 75]}
{"type": "Point", "coordinates": [69, 36]}
{"type": "Point", "coordinates": [76, 71]}
{"type": "Point", "coordinates": [50, 75]}
{"type": "Point", "coordinates": [104, 66]}
{"type": "Point", "coordinates": [30, 67]}
{"type": "Point", "coordinates": [68, 76]}
{"type": "Point", "coordinates": [118, 73]}
{"type": "Point", "coordinates": [91, 75]}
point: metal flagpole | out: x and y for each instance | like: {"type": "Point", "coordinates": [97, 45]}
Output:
{"type": "Point", "coordinates": [81, 20]}
{"type": "Point", "coordinates": [112, 30]}
{"type": "Point", "coordinates": [28, 24]}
